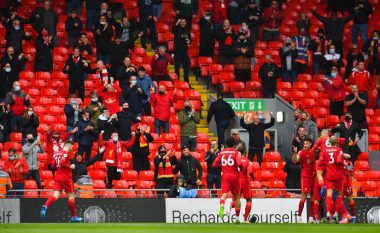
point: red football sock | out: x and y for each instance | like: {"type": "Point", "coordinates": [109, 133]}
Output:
{"type": "Point", "coordinates": [300, 207]}
{"type": "Point", "coordinates": [330, 206]}
{"type": "Point", "coordinates": [50, 201]}
{"type": "Point", "coordinates": [72, 207]}
{"type": "Point", "coordinates": [352, 208]}
{"type": "Point", "coordinates": [221, 202]}
{"type": "Point", "coordinates": [237, 210]}
{"type": "Point", "coordinates": [333, 208]}
{"type": "Point", "coordinates": [232, 205]}
{"type": "Point", "coordinates": [316, 210]}
{"type": "Point", "coordinates": [340, 206]}
{"type": "Point", "coordinates": [247, 211]}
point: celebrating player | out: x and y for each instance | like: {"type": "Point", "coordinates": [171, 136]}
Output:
{"type": "Point", "coordinates": [63, 181]}
{"type": "Point", "coordinates": [324, 142]}
{"type": "Point", "coordinates": [245, 188]}
{"type": "Point", "coordinates": [230, 161]}
{"type": "Point", "coordinates": [347, 189]}
{"type": "Point", "coordinates": [332, 160]}
{"type": "Point", "coordinates": [307, 160]}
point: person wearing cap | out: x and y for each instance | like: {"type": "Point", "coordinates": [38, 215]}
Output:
{"type": "Point", "coordinates": [318, 46]}
{"type": "Point", "coordinates": [190, 168]}
{"type": "Point", "coordinates": [223, 113]}
{"type": "Point", "coordinates": [118, 50]}
{"type": "Point", "coordinates": [17, 167]}
{"type": "Point", "coordinates": [207, 35]}
{"type": "Point", "coordinates": [188, 120]}
{"type": "Point", "coordinates": [164, 163]}
{"type": "Point", "coordinates": [242, 50]}
{"type": "Point", "coordinates": [334, 87]}
{"type": "Point", "coordinates": [146, 83]}
{"type": "Point", "coordinates": [256, 136]}
{"type": "Point", "coordinates": [73, 26]}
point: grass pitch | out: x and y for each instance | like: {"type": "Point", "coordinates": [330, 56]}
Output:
{"type": "Point", "coordinates": [188, 228]}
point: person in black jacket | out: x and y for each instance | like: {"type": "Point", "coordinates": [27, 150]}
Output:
{"type": "Point", "coordinates": [225, 37]}
{"type": "Point", "coordinates": [5, 126]}
{"type": "Point", "coordinates": [318, 46]}
{"type": "Point", "coordinates": [242, 50]}
{"type": "Point", "coordinates": [92, 12]}
{"type": "Point", "coordinates": [123, 122]}
{"type": "Point", "coordinates": [84, 47]}
{"type": "Point", "coordinates": [73, 26]}
{"type": "Point", "coordinates": [293, 175]}
{"type": "Point", "coordinates": [126, 71]}
{"type": "Point", "coordinates": [87, 135]}
{"type": "Point", "coordinates": [44, 55]}
{"type": "Point", "coordinates": [269, 73]}
{"type": "Point", "coordinates": [73, 111]}
{"type": "Point", "coordinates": [13, 15]}
{"type": "Point", "coordinates": [223, 112]}
{"type": "Point", "coordinates": [7, 78]}
{"type": "Point", "coordinates": [16, 62]}
{"type": "Point", "coordinates": [214, 176]}
{"type": "Point", "coordinates": [334, 28]}
{"type": "Point", "coordinates": [105, 123]}
{"type": "Point", "coordinates": [252, 15]}
{"type": "Point", "coordinates": [354, 56]}
{"type": "Point", "coordinates": [188, 166]}
{"type": "Point", "coordinates": [288, 55]}
{"type": "Point", "coordinates": [45, 18]}
{"type": "Point", "coordinates": [361, 13]}
{"type": "Point", "coordinates": [15, 34]}
{"type": "Point", "coordinates": [118, 50]}
{"type": "Point", "coordinates": [256, 136]}
{"type": "Point", "coordinates": [126, 31]}
{"type": "Point", "coordinates": [134, 96]}
{"type": "Point", "coordinates": [147, 22]}
{"type": "Point", "coordinates": [140, 149]}
{"type": "Point", "coordinates": [81, 166]}
{"type": "Point", "coordinates": [182, 40]}
{"type": "Point", "coordinates": [207, 36]}
{"type": "Point", "coordinates": [351, 131]}
{"type": "Point", "coordinates": [187, 10]}
{"type": "Point", "coordinates": [30, 123]}
{"type": "Point", "coordinates": [75, 66]}
{"type": "Point", "coordinates": [103, 34]}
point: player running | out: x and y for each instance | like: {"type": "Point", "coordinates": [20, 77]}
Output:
{"type": "Point", "coordinates": [63, 181]}
{"type": "Point", "coordinates": [332, 161]}
{"type": "Point", "coordinates": [307, 160]}
{"type": "Point", "coordinates": [230, 161]}
{"type": "Point", "coordinates": [244, 174]}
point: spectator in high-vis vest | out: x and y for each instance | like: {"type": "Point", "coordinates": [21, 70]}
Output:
{"type": "Point", "coordinates": [5, 183]}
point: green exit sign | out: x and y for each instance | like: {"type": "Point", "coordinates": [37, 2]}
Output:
{"type": "Point", "coordinates": [246, 105]}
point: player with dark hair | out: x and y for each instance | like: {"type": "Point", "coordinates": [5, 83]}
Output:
{"type": "Point", "coordinates": [63, 181]}
{"type": "Point", "coordinates": [307, 160]}
{"type": "Point", "coordinates": [230, 161]}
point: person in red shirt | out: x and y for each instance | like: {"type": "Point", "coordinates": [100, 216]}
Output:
{"type": "Point", "coordinates": [347, 189]}
{"type": "Point", "coordinates": [17, 167]}
{"type": "Point", "coordinates": [159, 64]}
{"type": "Point", "coordinates": [161, 103]}
{"type": "Point", "coordinates": [113, 155]}
{"type": "Point", "coordinates": [110, 94]}
{"type": "Point", "coordinates": [229, 160]}
{"type": "Point", "coordinates": [332, 161]}
{"type": "Point", "coordinates": [307, 160]}
{"type": "Point", "coordinates": [334, 86]}
{"type": "Point", "coordinates": [362, 78]}
{"type": "Point", "coordinates": [63, 181]}
{"type": "Point", "coordinates": [244, 175]}
{"type": "Point", "coordinates": [272, 22]}
{"type": "Point", "coordinates": [324, 142]}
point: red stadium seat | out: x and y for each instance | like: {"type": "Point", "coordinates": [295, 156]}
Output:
{"type": "Point", "coordinates": [273, 156]}
{"type": "Point", "coordinates": [363, 156]}
{"type": "Point", "coordinates": [373, 175]}
{"type": "Point", "coordinates": [147, 175]}
{"type": "Point", "coordinates": [46, 175]}
{"type": "Point", "coordinates": [130, 175]}
{"type": "Point", "coordinates": [320, 112]}
{"type": "Point", "coordinates": [285, 86]}
{"type": "Point", "coordinates": [373, 139]}
{"type": "Point", "coordinates": [360, 175]}
{"type": "Point", "coordinates": [43, 75]}
{"type": "Point", "coordinates": [16, 137]}
{"type": "Point", "coordinates": [30, 184]}
{"type": "Point", "coordinates": [203, 138]}
{"type": "Point", "coordinates": [332, 121]}
{"type": "Point", "coordinates": [361, 166]}
{"type": "Point", "coordinates": [300, 86]}
{"type": "Point", "coordinates": [237, 86]}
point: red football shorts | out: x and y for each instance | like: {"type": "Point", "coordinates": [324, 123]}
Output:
{"type": "Point", "coordinates": [66, 185]}
{"type": "Point", "coordinates": [336, 185]}
{"type": "Point", "coordinates": [347, 186]}
{"type": "Point", "coordinates": [307, 184]}
{"type": "Point", "coordinates": [316, 191]}
{"type": "Point", "coordinates": [245, 189]}
{"type": "Point", "coordinates": [230, 183]}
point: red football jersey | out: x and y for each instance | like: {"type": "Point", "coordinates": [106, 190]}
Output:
{"type": "Point", "coordinates": [307, 161]}
{"type": "Point", "coordinates": [62, 163]}
{"type": "Point", "coordinates": [230, 161]}
{"type": "Point", "coordinates": [331, 159]}
{"type": "Point", "coordinates": [243, 174]}
{"type": "Point", "coordinates": [325, 142]}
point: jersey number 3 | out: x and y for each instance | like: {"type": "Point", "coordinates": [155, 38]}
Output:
{"type": "Point", "coordinates": [227, 162]}
{"type": "Point", "coordinates": [332, 160]}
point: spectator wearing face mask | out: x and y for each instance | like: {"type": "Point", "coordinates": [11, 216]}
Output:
{"type": "Point", "coordinates": [7, 78]}
{"type": "Point", "coordinates": [17, 167]}
{"type": "Point", "coordinates": [226, 36]}
{"type": "Point", "coordinates": [147, 85]}
{"type": "Point", "coordinates": [372, 50]}
{"type": "Point", "coordinates": [15, 35]}
{"type": "Point", "coordinates": [81, 165]}
{"type": "Point", "coordinates": [110, 95]}
{"type": "Point", "coordinates": [55, 140]}
{"type": "Point", "coordinates": [354, 56]}
{"type": "Point", "coordinates": [113, 155]}
{"type": "Point", "coordinates": [160, 63]}
{"type": "Point", "coordinates": [301, 43]}
{"type": "Point", "coordinates": [272, 22]}
{"type": "Point", "coordinates": [94, 108]}
{"type": "Point", "coordinates": [356, 103]}
{"type": "Point", "coordinates": [105, 123]}
{"type": "Point", "coordinates": [242, 50]}
{"type": "Point", "coordinates": [76, 66]}
{"type": "Point", "coordinates": [331, 59]}
{"type": "Point", "coordinates": [269, 73]}
{"type": "Point", "coordinates": [13, 15]}
{"type": "Point", "coordinates": [31, 149]}
{"type": "Point", "coordinates": [252, 15]}
{"type": "Point", "coordinates": [118, 50]}
{"type": "Point", "coordinates": [318, 46]}
{"type": "Point", "coordinates": [43, 60]}
{"type": "Point", "coordinates": [30, 123]}
{"type": "Point", "coordinates": [214, 177]}
{"type": "Point", "coordinates": [16, 100]}
{"type": "Point", "coordinates": [309, 125]}
{"type": "Point", "coordinates": [334, 87]}
{"type": "Point", "coordinates": [256, 136]}
{"type": "Point", "coordinates": [73, 26]}
{"type": "Point", "coordinates": [288, 54]}
{"type": "Point", "coordinates": [16, 63]}
{"type": "Point", "coordinates": [190, 168]}
{"type": "Point", "coordinates": [303, 22]}
{"type": "Point", "coordinates": [123, 122]}
{"type": "Point", "coordinates": [161, 102]}
{"type": "Point", "coordinates": [126, 71]}
{"type": "Point", "coordinates": [86, 134]}
{"type": "Point", "coordinates": [73, 111]}
{"type": "Point", "coordinates": [207, 35]}
{"type": "Point", "coordinates": [140, 149]}
{"type": "Point", "coordinates": [134, 95]}
{"type": "Point", "coordinates": [103, 34]}
{"type": "Point", "coordinates": [188, 120]}
{"type": "Point", "coordinates": [362, 11]}
{"type": "Point", "coordinates": [164, 164]}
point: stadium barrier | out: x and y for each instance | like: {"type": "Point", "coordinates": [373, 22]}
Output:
{"type": "Point", "coordinates": [170, 210]}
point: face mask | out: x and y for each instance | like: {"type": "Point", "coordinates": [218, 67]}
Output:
{"type": "Point", "coordinates": [115, 138]}
{"type": "Point", "coordinates": [296, 117]}
{"type": "Point", "coordinates": [244, 27]}
{"type": "Point", "coordinates": [94, 99]}
{"type": "Point", "coordinates": [320, 36]}
{"type": "Point", "coordinates": [102, 23]}
{"type": "Point", "coordinates": [133, 82]}
{"type": "Point", "coordinates": [45, 33]}
{"type": "Point", "coordinates": [8, 69]}
{"type": "Point", "coordinates": [125, 109]}
{"type": "Point", "coordinates": [241, 39]}
{"type": "Point", "coordinates": [375, 37]}
{"type": "Point", "coordinates": [104, 11]}
{"type": "Point", "coordinates": [236, 137]}
{"type": "Point", "coordinates": [31, 140]}
{"type": "Point", "coordinates": [261, 117]}
{"type": "Point", "coordinates": [302, 33]}
{"type": "Point", "coordinates": [86, 119]}
{"type": "Point", "coordinates": [303, 118]}
{"type": "Point", "coordinates": [163, 153]}
{"type": "Point", "coordinates": [207, 17]}
{"type": "Point", "coordinates": [17, 28]}
{"type": "Point", "coordinates": [288, 44]}
{"type": "Point", "coordinates": [347, 118]}
{"type": "Point", "coordinates": [187, 108]}
{"type": "Point", "coordinates": [30, 113]}
{"type": "Point", "coordinates": [333, 74]}
{"type": "Point", "coordinates": [11, 158]}
{"type": "Point", "coordinates": [161, 92]}
{"type": "Point", "coordinates": [17, 88]}
{"type": "Point", "coordinates": [73, 102]}
{"type": "Point", "coordinates": [332, 50]}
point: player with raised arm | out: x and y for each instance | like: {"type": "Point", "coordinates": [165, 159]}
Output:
{"type": "Point", "coordinates": [63, 181]}
{"type": "Point", "coordinates": [230, 161]}
{"type": "Point", "coordinates": [244, 174]}
{"type": "Point", "coordinates": [332, 162]}
{"type": "Point", "coordinates": [307, 160]}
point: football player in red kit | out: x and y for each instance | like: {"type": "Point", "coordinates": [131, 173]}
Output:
{"type": "Point", "coordinates": [244, 174]}
{"type": "Point", "coordinates": [347, 189]}
{"type": "Point", "coordinates": [332, 161]}
{"type": "Point", "coordinates": [229, 160]}
{"type": "Point", "coordinates": [63, 181]}
{"type": "Point", "coordinates": [307, 160]}
{"type": "Point", "coordinates": [324, 142]}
